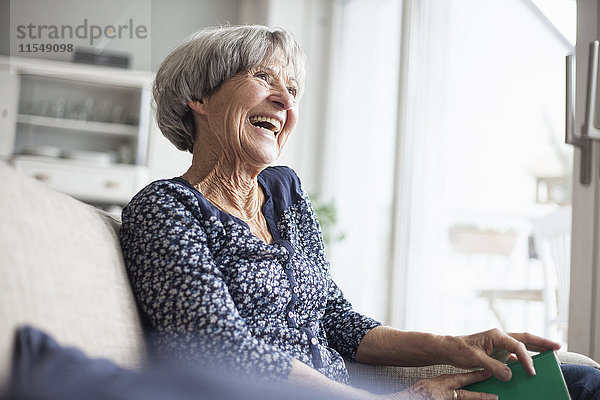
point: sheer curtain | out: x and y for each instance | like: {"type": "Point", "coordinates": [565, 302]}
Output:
{"type": "Point", "coordinates": [483, 127]}
{"type": "Point", "coordinates": [360, 154]}
{"type": "Point", "coordinates": [445, 117]}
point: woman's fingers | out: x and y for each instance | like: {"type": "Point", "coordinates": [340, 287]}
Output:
{"type": "Point", "coordinates": [519, 349]}
{"type": "Point", "coordinates": [521, 342]}
{"type": "Point", "coordinates": [497, 368]}
{"type": "Point", "coordinates": [481, 349]}
{"type": "Point", "coordinates": [461, 380]}
{"type": "Point", "coordinates": [457, 381]}
{"type": "Point", "coordinates": [511, 359]}
{"type": "Point", "coordinates": [535, 343]}
{"type": "Point", "coordinates": [466, 395]}
{"type": "Point", "coordinates": [445, 386]}
{"type": "Point", "coordinates": [500, 340]}
{"type": "Point", "coordinates": [483, 345]}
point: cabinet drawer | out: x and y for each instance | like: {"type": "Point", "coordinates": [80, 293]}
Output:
{"type": "Point", "coordinates": [111, 184]}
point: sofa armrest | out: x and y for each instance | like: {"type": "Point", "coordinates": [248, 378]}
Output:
{"type": "Point", "coordinates": [567, 357]}
{"type": "Point", "coordinates": [385, 379]}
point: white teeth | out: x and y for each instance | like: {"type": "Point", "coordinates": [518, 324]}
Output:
{"type": "Point", "coordinates": [275, 124]}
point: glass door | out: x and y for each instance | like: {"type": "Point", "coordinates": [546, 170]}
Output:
{"type": "Point", "coordinates": [488, 204]}
{"type": "Point", "coordinates": [584, 319]}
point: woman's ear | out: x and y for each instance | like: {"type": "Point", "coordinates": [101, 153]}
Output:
{"type": "Point", "coordinates": [197, 106]}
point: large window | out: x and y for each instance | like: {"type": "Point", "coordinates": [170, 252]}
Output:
{"type": "Point", "coordinates": [485, 177]}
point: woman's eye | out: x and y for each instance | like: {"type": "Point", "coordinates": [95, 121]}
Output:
{"type": "Point", "coordinates": [293, 91]}
{"type": "Point", "coordinates": [263, 76]}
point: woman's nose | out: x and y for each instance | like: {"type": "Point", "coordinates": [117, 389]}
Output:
{"type": "Point", "coordinates": [282, 97]}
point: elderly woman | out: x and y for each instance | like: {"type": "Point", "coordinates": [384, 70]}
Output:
{"type": "Point", "coordinates": [227, 261]}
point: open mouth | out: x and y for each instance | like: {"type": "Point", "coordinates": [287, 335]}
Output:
{"type": "Point", "coordinates": [269, 124]}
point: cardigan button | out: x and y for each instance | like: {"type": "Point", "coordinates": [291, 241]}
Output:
{"type": "Point", "coordinates": [314, 341]}
{"type": "Point", "coordinates": [288, 265]}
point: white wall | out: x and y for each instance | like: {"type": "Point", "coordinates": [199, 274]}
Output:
{"type": "Point", "coordinates": [174, 20]}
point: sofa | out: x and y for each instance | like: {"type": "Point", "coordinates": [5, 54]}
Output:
{"type": "Point", "coordinates": [62, 271]}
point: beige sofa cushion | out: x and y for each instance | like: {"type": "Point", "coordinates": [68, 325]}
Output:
{"type": "Point", "coordinates": [61, 269]}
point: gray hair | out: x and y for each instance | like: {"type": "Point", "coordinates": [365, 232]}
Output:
{"type": "Point", "coordinates": [199, 66]}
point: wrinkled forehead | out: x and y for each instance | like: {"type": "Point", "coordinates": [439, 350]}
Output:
{"type": "Point", "coordinates": [278, 65]}
{"type": "Point", "coordinates": [284, 66]}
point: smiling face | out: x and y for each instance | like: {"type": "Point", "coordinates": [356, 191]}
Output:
{"type": "Point", "coordinates": [250, 117]}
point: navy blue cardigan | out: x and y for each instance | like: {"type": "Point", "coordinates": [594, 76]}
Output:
{"type": "Point", "coordinates": [211, 288]}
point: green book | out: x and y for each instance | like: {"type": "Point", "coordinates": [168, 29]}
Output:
{"type": "Point", "coordinates": [547, 384]}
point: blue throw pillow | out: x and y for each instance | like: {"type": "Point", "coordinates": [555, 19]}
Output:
{"type": "Point", "coordinates": [44, 370]}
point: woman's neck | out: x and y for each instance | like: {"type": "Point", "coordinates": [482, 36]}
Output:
{"type": "Point", "coordinates": [231, 188]}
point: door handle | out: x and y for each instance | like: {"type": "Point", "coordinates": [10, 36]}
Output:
{"type": "Point", "coordinates": [588, 132]}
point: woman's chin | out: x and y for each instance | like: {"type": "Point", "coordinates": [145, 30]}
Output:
{"type": "Point", "coordinates": [263, 155]}
{"type": "Point", "coordinates": [261, 161]}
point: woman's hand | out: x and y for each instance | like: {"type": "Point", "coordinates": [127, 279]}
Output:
{"type": "Point", "coordinates": [445, 387]}
{"type": "Point", "coordinates": [474, 351]}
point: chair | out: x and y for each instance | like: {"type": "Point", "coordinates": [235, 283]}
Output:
{"type": "Point", "coordinates": [552, 238]}
{"type": "Point", "coordinates": [552, 234]}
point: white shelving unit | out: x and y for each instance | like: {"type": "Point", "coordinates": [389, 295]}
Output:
{"type": "Point", "coordinates": [83, 130]}
{"type": "Point", "coordinates": [84, 127]}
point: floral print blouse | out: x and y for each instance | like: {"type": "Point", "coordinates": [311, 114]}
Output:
{"type": "Point", "coordinates": [210, 288]}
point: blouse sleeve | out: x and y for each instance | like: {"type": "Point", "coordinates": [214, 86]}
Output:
{"type": "Point", "coordinates": [181, 290]}
{"type": "Point", "coordinates": [344, 327]}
